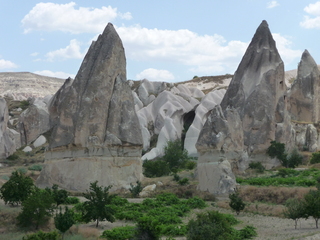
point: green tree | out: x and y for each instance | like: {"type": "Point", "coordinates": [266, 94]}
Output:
{"type": "Point", "coordinates": [59, 195]}
{"type": "Point", "coordinates": [315, 158]}
{"type": "Point", "coordinates": [236, 202]}
{"type": "Point", "coordinates": [36, 209]}
{"type": "Point", "coordinates": [312, 205]}
{"type": "Point", "coordinates": [175, 155]}
{"type": "Point", "coordinates": [294, 159]}
{"type": "Point", "coordinates": [98, 207]}
{"type": "Point", "coordinates": [277, 150]}
{"type": "Point", "coordinates": [295, 209]}
{"type": "Point", "coordinates": [64, 221]}
{"type": "Point", "coordinates": [16, 189]}
{"type": "Point", "coordinates": [135, 190]}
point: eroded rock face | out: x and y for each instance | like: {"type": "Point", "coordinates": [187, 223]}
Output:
{"type": "Point", "coordinates": [304, 96]}
{"type": "Point", "coordinates": [96, 132]}
{"type": "Point", "coordinates": [7, 144]}
{"type": "Point", "coordinates": [252, 113]}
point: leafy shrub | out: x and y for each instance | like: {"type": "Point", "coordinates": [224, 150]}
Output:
{"type": "Point", "coordinates": [215, 225]}
{"type": "Point", "coordinates": [24, 104]}
{"type": "Point", "coordinates": [196, 202]}
{"type": "Point", "coordinates": [119, 233]}
{"type": "Point", "coordinates": [176, 177]}
{"type": "Point", "coordinates": [42, 236]}
{"type": "Point", "coordinates": [155, 168]}
{"type": "Point", "coordinates": [135, 190]}
{"type": "Point", "coordinates": [247, 232]}
{"type": "Point", "coordinates": [59, 195]}
{"type": "Point", "coordinates": [35, 167]}
{"type": "Point", "coordinates": [284, 172]}
{"type": "Point", "coordinates": [258, 166]}
{"type": "Point", "coordinates": [190, 165]}
{"type": "Point", "coordinates": [64, 221]}
{"type": "Point", "coordinates": [71, 200]}
{"type": "Point", "coordinates": [294, 159]}
{"type": "Point", "coordinates": [167, 198]}
{"type": "Point", "coordinates": [277, 150]}
{"type": "Point", "coordinates": [22, 170]}
{"type": "Point", "coordinates": [236, 202]}
{"type": "Point", "coordinates": [183, 181]}
{"type": "Point", "coordinates": [13, 157]}
{"type": "Point", "coordinates": [315, 158]}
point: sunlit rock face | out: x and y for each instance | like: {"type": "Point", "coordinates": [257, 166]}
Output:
{"type": "Point", "coordinates": [304, 95]}
{"type": "Point", "coordinates": [252, 113]}
{"type": "Point", "coordinates": [7, 143]}
{"type": "Point", "coordinates": [95, 129]}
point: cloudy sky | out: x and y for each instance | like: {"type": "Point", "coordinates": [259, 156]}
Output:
{"type": "Point", "coordinates": [168, 40]}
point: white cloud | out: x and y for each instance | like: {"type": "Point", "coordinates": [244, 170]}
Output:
{"type": "Point", "coordinates": [312, 22]}
{"type": "Point", "coordinates": [272, 4]}
{"type": "Point", "coordinates": [5, 64]}
{"type": "Point", "coordinates": [68, 18]}
{"type": "Point", "coordinates": [287, 54]}
{"type": "Point", "coordinates": [201, 53]}
{"type": "Point", "coordinates": [155, 75]}
{"type": "Point", "coordinates": [55, 74]}
{"type": "Point", "coordinates": [70, 51]}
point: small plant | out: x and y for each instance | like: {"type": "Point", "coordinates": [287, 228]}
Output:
{"type": "Point", "coordinates": [13, 157]}
{"type": "Point", "coordinates": [155, 168]}
{"type": "Point", "coordinates": [183, 181]}
{"type": "Point", "coordinates": [24, 104]}
{"type": "Point", "coordinates": [315, 158]}
{"type": "Point", "coordinates": [190, 165]}
{"type": "Point", "coordinates": [236, 202]}
{"type": "Point", "coordinates": [22, 170]}
{"type": "Point", "coordinates": [35, 167]}
{"type": "Point", "coordinates": [42, 236]}
{"type": "Point", "coordinates": [176, 177]}
{"type": "Point", "coordinates": [135, 190]}
{"type": "Point", "coordinates": [258, 166]}
{"type": "Point", "coordinates": [71, 200]}
{"type": "Point", "coordinates": [119, 233]}
{"type": "Point", "coordinates": [294, 159]}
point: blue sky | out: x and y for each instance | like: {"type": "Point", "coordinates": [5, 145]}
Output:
{"type": "Point", "coordinates": [168, 40]}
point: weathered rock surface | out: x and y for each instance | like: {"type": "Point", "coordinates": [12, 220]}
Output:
{"type": "Point", "coordinates": [7, 144]}
{"type": "Point", "coordinates": [252, 113]}
{"type": "Point", "coordinates": [33, 122]}
{"type": "Point", "coordinates": [96, 133]}
{"type": "Point", "coordinates": [304, 96]}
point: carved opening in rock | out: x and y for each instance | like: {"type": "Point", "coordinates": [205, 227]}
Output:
{"type": "Point", "coordinates": [187, 121]}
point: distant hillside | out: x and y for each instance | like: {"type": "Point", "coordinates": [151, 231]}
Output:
{"type": "Point", "coordinates": [22, 85]}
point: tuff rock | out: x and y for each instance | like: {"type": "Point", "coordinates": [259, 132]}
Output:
{"type": "Point", "coordinates": [96, 133]}
{"type": "Point", "coordinates": [252, 113]}
{"type": "Point", "coordinates": [304, 96]}
{"type": "Point", "coordinates": [7, 143]}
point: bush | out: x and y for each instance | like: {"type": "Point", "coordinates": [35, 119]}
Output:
{"type": "Point", "coordinates": [155, 168]}
{"type": "Point", "coordinates": [236, 202]}
{"type": "Point", "coordinates": [64, 221]}
{"type": "Point", "coordinates": [13, 157]}
{"type": "Point", "coordinates": [35, 167]}
{"type": "Point", "coordinates": [119, 233]}
{"type": "Point", "coordinates": [258, 166]}
{"type": "Point", "coordinates": [43, 236]}
{"type": "Point", "coordinates": [294, 159]}
{"type": "Point", "coordinates": [135, 190]}
{"type": "Point", "coordinates": [190, 165]}
{"type": "Point", "coordinates": [315, 158]}
{"type": "Point", "coordinates": [71, 200]}
{"type": "Point", "coordinates": [22, 170]}
{"type": "Point", "coordinates": [183, 181]}
{"type": "Point", "coordinates": [277, 150]}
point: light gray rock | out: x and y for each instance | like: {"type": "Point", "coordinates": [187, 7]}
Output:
{"type": "Point", "coordinates": [33, 122]}
{"type": "Point", "coordinates": [304, 96]}
{"type": "Point", "coordinates": [96, 133]}
{"type": "Point", "coordinates": [7, 144]}
{"type": "Point", "coordinates": [147, 190]}
{"type": "Point", "coordinates": [252, 113]}
{"type": "Point", "coordinates": [16, 137]}
{"type": "Point", "coordinates": [27, 149]}
{"type": "Point", "coordinates": [39, 141]}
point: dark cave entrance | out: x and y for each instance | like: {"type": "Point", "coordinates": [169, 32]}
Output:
{"type": "Point", "coordinates": [187, 121]}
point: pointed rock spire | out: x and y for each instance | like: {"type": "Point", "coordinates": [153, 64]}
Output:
{"type": "Point", "coordinates": [304, 96]}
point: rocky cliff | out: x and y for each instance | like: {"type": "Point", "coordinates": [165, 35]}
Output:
{"type": "Point", "coordinates": [96, 133]}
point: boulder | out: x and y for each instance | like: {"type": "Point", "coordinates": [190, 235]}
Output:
{"type": "Point", "coordinates": [39, 141]}
{"type": "Point", "coordinates": [147, 190]}
{"type": "Point", "coordinates": [33, 122]}
{"type": "Point", "coordinates": [304, 95]}
{"type": "Point", "coordinates": [7, 143]}
{"type": "Point", "coordinates": [95, 129]}
{"type": "Point", "coordinates": [251, 114]}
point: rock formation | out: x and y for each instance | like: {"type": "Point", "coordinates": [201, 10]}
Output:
{"type": "Point", "coordinates": [304, 96]}
{"type": "Point", "coordinates": [252, 113]}
{"type": "Point", "coordinates": [96, 133]}
{"type": "Point", "coordinates": [7, 144]}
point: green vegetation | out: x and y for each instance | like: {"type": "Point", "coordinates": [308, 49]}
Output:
{"type": "Point", "coordinates": [277, 150]}
{"type": "Point", "coordinates": [258, 166]}
{"type": "Point", "coordinates": [175, 158]}
{"type": "Point", "coordinates": [59, 195]}
{"type": "Point", "coordinates": [36, 209]}
{"type": "Point", "coordinates": [315, 158]}
{"type": "Point", "coordinates": [35, 167]}
{"type": "Point", "coordinates": [97, 207]}
{"type": "Point", "coordinates": [294, 210]}
{"type": "Point", "coordinates": [43, 236]}
{"type": "Point", "coordinates": [16, 189]}
{"type": "Point", "coordinates": [135, 190]}
{"type": "Point", "coordinates": [289, 177]}
{"type": "Point", "coordinates": [215, 225]}
{"type": "Point", "coordinates": [236, 202]}
{"type": "Point", "coordinates": [120, 233]}
{"type": "Point", "coordinates": [64, 221]}
{"type": "Point", "coordinates": [24, 104]}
